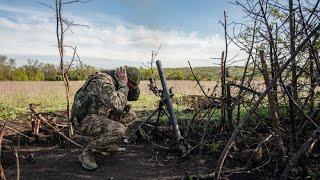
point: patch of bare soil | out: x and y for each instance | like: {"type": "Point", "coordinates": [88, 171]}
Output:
{"type": "Point", "coordinates": [138, 162]}
{"type": "Point", "coordinates": [50, 157]}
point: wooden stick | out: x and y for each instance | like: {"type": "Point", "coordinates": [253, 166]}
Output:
{"type": "Point", "coordinates": [16, 154]}
{"type": "Point", "coordinates": [207, 122]}
{"type": "Point", "coordinates": [2, 175]}
{"type": "Point", "coordinates": [16, 131]}
{"type": "Point", "coordinates": [241, 87]}
{"type": "Point", "coordinates": [272, 102]}
{"type": "Point", "coordinates": [229, 107]}
{"type": "Point", "coordinates": [58, 131]}
{"type": "Point", "coordinates": [223, 92]}
{"type": "Point", "coordinates": [198, 82]}
{"type": "Point", "coordinates": [258, 147]}
{"type": "Point", "coordinates": [55, 129]}
{"type": "Point", "coordinates": [293, 161]}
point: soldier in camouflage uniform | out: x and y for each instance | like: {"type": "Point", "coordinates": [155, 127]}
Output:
{"type": "Point", "coordinates": [100, 111]}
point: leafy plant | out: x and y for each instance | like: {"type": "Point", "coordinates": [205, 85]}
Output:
{"type": "Point", "coordinates": [214, 146]}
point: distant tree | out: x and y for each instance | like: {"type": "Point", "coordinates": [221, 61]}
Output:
{"type": "Point", "coordinates": [12, 63]}
{"type": "Point", "coordinates": [33, 70]}
{"type": "Point", "coordinates": [5, 70]}
{"type": "Point", "coordinates": [20, 74]}
{"type": "Point", "coordinates": [176, 75]}
{"type": "Point", "coordinates": [50, 72]}
{"type": "Point", "coordinates": [145, 73]}
{"type": "Point", "coordinates": [85, 70]}
{"type": "Point", "coordinates": [3, 59]}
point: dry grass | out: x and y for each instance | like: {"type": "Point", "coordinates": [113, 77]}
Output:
{"type": "Point", "coordinates": [181, 87]}
{"type": "Point", "coordinates": [16, 95]}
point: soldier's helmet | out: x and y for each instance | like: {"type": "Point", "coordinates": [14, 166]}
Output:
{"type": "Point", "coordinates": [134, 79]}
{"type": "Point", "coordinates": [133, 75]}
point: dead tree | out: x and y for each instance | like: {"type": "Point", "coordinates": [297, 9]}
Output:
{"type": "Point", "coordinates": [229, 106]}
{"type": "Point", "coordinates": [258, 102]}
{"type": "Point", "coordinates": [280, 29]}
{"type": "Point", "coordinates": [223, 93]}
{"type": "Point", "coordinates": [62, 26]}
{"type": "Point", "coordinates": [293, 88]}
{"type": "Point", "coordinates": [272, 103]}
{"type": "Point", "coordinates": [60, 40]}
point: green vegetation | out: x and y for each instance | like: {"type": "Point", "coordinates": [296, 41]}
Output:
{"type": "Point", "coordinates": [214, 146]}
{"type": "Point", "coordinates": [34, 70]}
{"type": "Point", "coordinates": [202, 73]}
{"type": "Point", "coordinates": [15, 107]}
{"type": "Point", "coordinates": [37, 71]}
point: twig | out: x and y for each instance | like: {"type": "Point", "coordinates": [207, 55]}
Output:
{"type": "Point", "coordinates": [200, 176]}
{"type": "Point", "coordinates": [159, 146]}
{"type": "Point", "coordinates": [297, 106]}
{"type": "Point", "coordinates": [2, 175]}
{"type": "Point", "coordinates": [241, 87]}
{"type": "Point", "coordinates": [16, 131]}
{"type": "Point", "coordinates": [159, 163]}
{"type": "Point", "coordinates": [223, 88]}
{"type": "Point", "coordinates": [55, 129]}
{"type": "Point", "coordinates": [58, 131]}
{"type": "Point", "coordinates": [190, 150]}
{"type": "Point", "coordinates": [272, 102]}
{"type": "Point", "coordinates": [258, 147]}
{"type": "Point", "coordinates": [293, 161]}
{"type": "Point", "coordinates": [76, 1]}
{"type": "Point", "coordinates": [16, 154]}
{"type": "Point", "coordinates": [202, 141]}
{"type": "Point", "coordinates": [198, 82]}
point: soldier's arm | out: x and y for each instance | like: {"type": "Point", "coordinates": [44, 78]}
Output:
{"type": "Point", "coordinates": [103, 88]}
{"type": "Point", "coordinates": [116, 99]}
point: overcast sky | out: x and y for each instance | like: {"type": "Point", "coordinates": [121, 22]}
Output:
{"type": "Point", "coordinates": [122, 32]}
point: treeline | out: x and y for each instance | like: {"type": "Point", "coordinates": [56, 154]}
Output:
{"type": "Point", "coordinates": [37, 71]}
{"type": "Point", "coordinates": [184, 73]}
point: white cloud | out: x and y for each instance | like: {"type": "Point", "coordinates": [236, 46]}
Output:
{"type": "Point", "coordinates": [11, 25]}
{"type": "Point", "coordinates": [33, 33]}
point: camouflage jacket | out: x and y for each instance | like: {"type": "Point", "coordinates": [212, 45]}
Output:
{"type": "Point", "coordinates": [101, 94]}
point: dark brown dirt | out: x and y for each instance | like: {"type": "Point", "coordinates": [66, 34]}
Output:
{"type": "Point", "coordinates": [138, 162]}
{"type": "Point", "coordinates": [51, 158]}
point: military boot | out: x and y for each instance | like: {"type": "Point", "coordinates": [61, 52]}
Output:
{"type": "Point", "coordinates": [101, 151]}
{"type": "Point", "coordinates": [115, 148]}
{"type": "Point", "coordinates": [87, 160]}
{"type": "Point", "coordinates": [108, 150]}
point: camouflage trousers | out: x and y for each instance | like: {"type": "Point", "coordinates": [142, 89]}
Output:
{"type": "Point", "coordinates": [102, 132]}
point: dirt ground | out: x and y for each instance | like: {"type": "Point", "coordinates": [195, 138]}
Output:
{"type": "Point", "coordinates": [138, 162]}
{"type": "Point", "coordinates": [58, 160]}
{"type": "Point", "coordinates": [52, 158]}
{"type": "Point", "coordinates": [55, 159]}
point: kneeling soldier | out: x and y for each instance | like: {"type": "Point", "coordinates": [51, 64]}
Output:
{"type": "Point", "coordinates": [100, 111]}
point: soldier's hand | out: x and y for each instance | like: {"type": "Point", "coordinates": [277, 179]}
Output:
{"type": "Point", "coordinates": [122, 74]}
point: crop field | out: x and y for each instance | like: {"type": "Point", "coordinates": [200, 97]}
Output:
{"type": "Point", "coordinates": [50, 96]}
